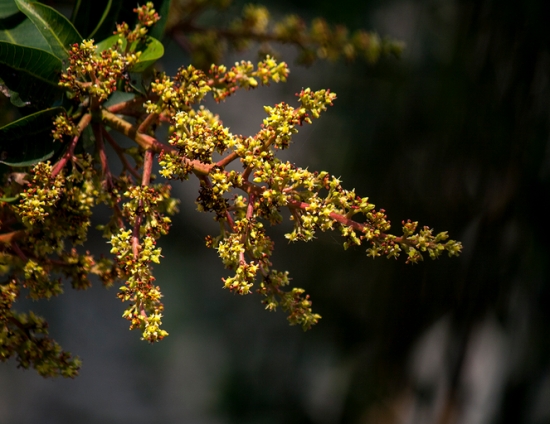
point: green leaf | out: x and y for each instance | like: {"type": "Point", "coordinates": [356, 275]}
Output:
{"type": "Point", "coordinates": [7, 8]}
{"type": "Point", "coordinates": [18, 29]}
{"type": "Point", "coordinates": [104, 21]}
{"type": "Point", "coordinates": [152, 51]}
{"type": "Point", "coordinates": [110, 42]}
{"type": "Point", "coordinates": [54, 27]}
{"type": "Point", "coordinates": [97, 19]}
{"type": "Point", "coordinates": [163, 8]}
{"type": "Point", "coordinates": [118, 97]}
{"type": "Point", "coordinates": [9, 199]}
{"type": "Point", "coordinates": [28, 140]}
{"type": "Point", "coordinates": [30, 72]}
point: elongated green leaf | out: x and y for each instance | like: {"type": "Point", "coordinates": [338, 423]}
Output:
{"type": "Point", "coordinates": [16, 28]}
{"type": "Point", "coordinates": [7, 8]}
{"type": "Point", "coordinates": [9, 199]}
{"type": "Point", "coordinates": [97, 18]}
{"type": "Point", "coordinates": [104, 21]}
{"type": "Point", "coordinates": [163, 8]}
{"type": "Point", "coordinates": [30, 72]}
{"type": "Point", "coordinates": [150, 53]}
{"type": "Point", "coordinates": [54, 27]}
{"type": "Point", "coordinates": [29, 140]}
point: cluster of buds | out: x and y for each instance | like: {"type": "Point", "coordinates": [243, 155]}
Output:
{"type": "Point", "coordinates": [147, 17]}
{"type": "Point", "coordinates": [243, 75]}
{"type": "Point", "coordinates": [135, 251]}
{"type": "Point", "coordinates": [98, 75]}
{"type": "Point", "coordinates": [26, 337]}
{"type": "Point", "coordinates": [63, 126]}
{"type": "Point", "coordinates": [295, 302]}
{"type": "Point", "coordinates": [91, 75]}
{"type": "Point", "coordinates": [55, 211]}
{"type": "Point", "coordinates": [39, 199]}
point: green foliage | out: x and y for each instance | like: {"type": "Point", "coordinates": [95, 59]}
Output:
{"type": "Point", "coordinates": [56, 30]}
{"type": "Point", "coordinates": [56, 167]}
{"type": "Point", "coordinates": [28, 140]}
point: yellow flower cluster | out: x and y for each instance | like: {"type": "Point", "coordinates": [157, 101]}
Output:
{"type": "Point", "coordinates": [136, 249]}
{"type": "Point", "coordinates": [90, 74]}
{"type": "Point", "coordinates": [316, 200]}
{"type": "Point", "coordinates": [147, 17]}
{"type": "Point", "coordinates": [40, 198]}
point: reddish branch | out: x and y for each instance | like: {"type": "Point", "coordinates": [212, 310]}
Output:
{"type": "Point", "coordinates": [145, 181]}
{"type": "Point", "coordinates": [103, 156]}
{"type": "Point", "coordinates": [15, 247]}
{"type": "Point", "coordinates": [99, 131]}
{"type": "Point", "coordinates": [150, 143]}
{"type": "Point", "coordinates": [11, 236]}
{"type": "Point", "coordinates": [227, 160]}
{"type": "Point", "coordinates": [84, 122]}
{"type": "Point", "coordinates": [120, 153]}
{"type": "Point", "coordinates": [151, 119]}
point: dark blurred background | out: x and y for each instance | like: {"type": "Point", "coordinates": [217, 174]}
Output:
{"type": "Point", "coordinates": [455, 135]}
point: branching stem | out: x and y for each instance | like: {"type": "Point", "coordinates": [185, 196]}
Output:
{"type": "Point", "coordinates": [84, 122]}
{"type": "Point", "coordinates": [150, 143]}
{"type": "Point", "coordinates": [120, 154]}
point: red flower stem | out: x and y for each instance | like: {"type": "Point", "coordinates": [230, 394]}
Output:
{"type": "Point", "coordinates": [120, 154]}
{"type": "Point", "coordinates": [342, 219]}
{"type": "Point", "coordinates": [15, 247]}
{"type": "Point", "coordinates": [96, 128]}
{"type": "Point", "coordinates": [227, 160]}
{"type": "Point", "coordinates": [230, 220]}
{"type": "Point", "coordinates": [84, 122]}
{"type": "Point", "coordinates": [130, 107]}
{"type": "Point", "coordinates": [98, 133]}
{"type": "Point", "coordinates": [135, 236]}
{"type": "Point", "coordinates": [11, 236]}
{"type": "Point", "coordinates": [250, 207]}
{"type": "Point", "coordinates": [150, 143]}
{"type": "Point", "coordinates": [147, 122]}
{"type": "Point", "coordinates": [146, 179]}
{"type": "Point", "coordinates": [147, 168]}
